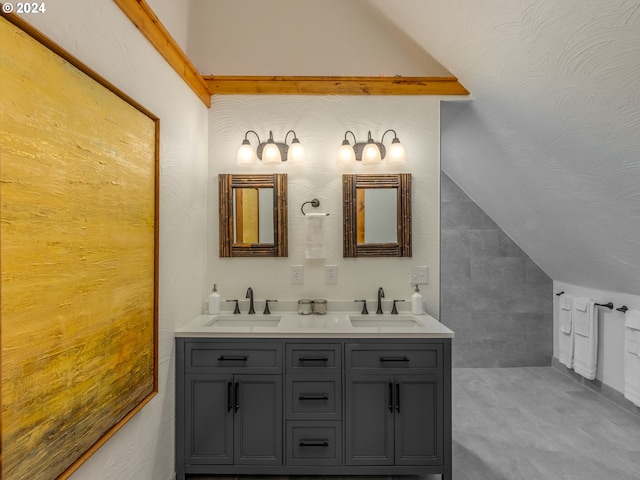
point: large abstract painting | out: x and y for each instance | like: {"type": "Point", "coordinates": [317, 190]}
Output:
{"type": "Point", "coordinates": [78, 255]}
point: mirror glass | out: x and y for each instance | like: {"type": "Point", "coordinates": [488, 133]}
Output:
{"type": "Point", "coordinates": [253, 215]}
{"type": "Point", "coordinates": [377, 215]}
{"type": "Point", "coordinates": [377, 219]}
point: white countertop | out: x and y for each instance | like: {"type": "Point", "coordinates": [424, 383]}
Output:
{"type": "Point", "coordinates": [331, 325]}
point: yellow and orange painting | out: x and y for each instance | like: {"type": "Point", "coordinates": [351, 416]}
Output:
{"type": "Point", "coordinates": [78, 255]}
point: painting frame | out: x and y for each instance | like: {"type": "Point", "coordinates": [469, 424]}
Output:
{"type": "Point", "coordinates": [124, 343]}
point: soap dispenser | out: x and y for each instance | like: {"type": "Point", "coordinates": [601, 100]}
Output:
{"type": "Point", "coordinates": [416, 302]}
{"type": "Point", "coordinates": [214, 301]}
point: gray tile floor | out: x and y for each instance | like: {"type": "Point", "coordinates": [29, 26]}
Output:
{"type": "Point", "coordinates": [535, 423]}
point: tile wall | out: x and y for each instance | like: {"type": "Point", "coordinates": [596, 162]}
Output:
{"type": "Point", "coordinates": [493, 296]}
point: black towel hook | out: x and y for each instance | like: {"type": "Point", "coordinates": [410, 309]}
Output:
{"type": "Point", "coordinates": [623, 309]}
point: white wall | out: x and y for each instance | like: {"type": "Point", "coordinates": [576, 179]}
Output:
{"type": "Point", "coordinates": [174, 15]}
{"type": "Point", "coordinates": [320, 123]}
{"type": "Point", "coordinates": [610, 330]}
{"type": "Point", "coordinates": [97, 33]}
{"type": "Point", "coordinates": [301, 37]}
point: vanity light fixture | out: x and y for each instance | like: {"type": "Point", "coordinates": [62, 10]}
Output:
{"type": "Point", "coordinates": [270, 151]}
{"type": "Point", "coordinates": [371, 152]}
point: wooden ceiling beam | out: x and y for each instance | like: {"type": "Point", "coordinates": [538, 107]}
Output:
{"type": "Point", "coordinates": [140, 13]}
{"type": "Point", "coordinates": [318, 85]}
{"type": "Point", "coordinates": [142, 16]}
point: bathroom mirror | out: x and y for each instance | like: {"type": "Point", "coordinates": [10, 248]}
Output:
{"type": "Point", "coordinates": [253, 215]}
{"type": "Point", "coordinates": [377, 215]}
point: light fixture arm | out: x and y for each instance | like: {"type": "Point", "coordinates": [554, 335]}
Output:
{"type": "Point", "coordinates": [395, 136]}
{"type": "Point", "coordinates": [346, 142]}
{"type": "Point", "coordinates": [247, 140]}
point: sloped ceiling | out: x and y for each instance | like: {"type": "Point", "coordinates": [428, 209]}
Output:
{"type": "Point", "coordinates": [550, 146]}
{"type": "Point", "coordinates": [303, 38]}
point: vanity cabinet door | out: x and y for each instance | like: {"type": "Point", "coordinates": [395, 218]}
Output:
{"type": "Point", "coordinates": [418, 420]}
{"type": "Point", "coordinates": [258, 419]}
{"type": "Point", "coordinates": [208, 429]}
{"type": "Point", "coordinates": [369, 420]}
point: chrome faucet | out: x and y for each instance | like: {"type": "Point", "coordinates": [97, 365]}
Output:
{"type": "Point", "coordinates": [249, 295]}
{"type": "Point", "coordinates": [380, 297]}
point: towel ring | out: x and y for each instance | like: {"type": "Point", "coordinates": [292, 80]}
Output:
{"type": "Point", "coordinates": [314, 203]}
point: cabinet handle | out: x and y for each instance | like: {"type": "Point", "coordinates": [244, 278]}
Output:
{"type": "Point", "coordinates": [229, 401]}
{"type": "Point", "coordinates": [394, 359]}
{"type": "Point", "coordinates": [239, 358]}
{"type": "Point", "coordinates": [323, 358]}
{"type": "Point", "coordinates": [314, 443]}
{"type": "Point", "coordinates": [398, 397]}
{"type": "Point", "coordinates": [313, 396]}
{"type": "Point", "coordinates": [390, 396]}
{"type": "Point", "coordinates": [237, 396]}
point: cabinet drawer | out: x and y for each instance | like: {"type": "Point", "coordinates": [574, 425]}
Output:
{"type": "Point", "coordinates": [414, 358]}
{"type": "Point", "coordinates": [314, 397]}
{"type": "Point", "coordinates": [230, 357]}
{"type": "Point", "coordinates": [314, 443]}
{"type": "Point", "coordinates": [325, 358]}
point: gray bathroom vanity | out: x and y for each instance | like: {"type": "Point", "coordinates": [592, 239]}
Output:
{"type": "Point", "coordinates": [336, 394]}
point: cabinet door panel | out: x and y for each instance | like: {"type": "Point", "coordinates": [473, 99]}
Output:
{"type": "Point", "coordinates": [418, 420]}
{"type": "Point", "coordinates": [369, 420]}
{"type": "Point", "coordinates": [258, 420]}
{"type": "Point", "coordinates": [209, 422]}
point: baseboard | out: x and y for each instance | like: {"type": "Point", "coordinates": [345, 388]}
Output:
{"type": "Point", "coordinates": [597, 386]}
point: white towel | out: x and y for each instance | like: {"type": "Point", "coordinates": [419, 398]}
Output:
{"type": "Point", "coordinates": [585, 339]}
{"type": "Point", "coordinates": [314, 246]}
{"type": "Point", "coordinates": [565, 335]}
{"type": "Point", "coordinates": [632, 356]}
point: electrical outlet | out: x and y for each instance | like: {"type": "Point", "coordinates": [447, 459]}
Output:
{"type": "Point", "coordinates": [331, 275]}
{"type": "Point", "coordinates": [297, 274]}
{"type": "Point", "coordinates": [419, 275]}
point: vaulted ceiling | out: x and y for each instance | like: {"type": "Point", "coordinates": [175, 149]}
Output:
{"type": "Point", "coordinates": [549, 146]}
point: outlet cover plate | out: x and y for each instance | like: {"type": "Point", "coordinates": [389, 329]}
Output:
{"type": "Point", "coordinates": [296, 273]}
{"type": "Point", "coordinates": [420, 275]}
{"type": "Point", "coordinates": [331, 275]}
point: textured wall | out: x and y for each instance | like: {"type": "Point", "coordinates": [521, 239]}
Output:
{"type": "Point", "coordinates": [97, 33]}
{"type": "Point", "coordinates": [320, 123]}
{"type": "Point", "coordinates": [549, 148]}
{"type": "Point", "coordinates": [496, 299]}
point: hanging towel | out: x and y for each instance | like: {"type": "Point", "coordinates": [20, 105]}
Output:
{"type": "Point", "coordinates": [565, 335]}
{"type": "Point", "coordinates": [632, 356]}
{"type": "Point", "coordinates": [314, 246]}
{"type": "Point", "coordinates": [584, 316]}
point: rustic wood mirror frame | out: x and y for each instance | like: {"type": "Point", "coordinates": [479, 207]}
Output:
{"type": "Point", "coordinates": [402, 183]}
{"type": "Point", "coordinates": [226, 184]}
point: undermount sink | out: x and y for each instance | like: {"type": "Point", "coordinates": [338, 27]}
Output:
{"type": "Point", "coordinates": [262, 321]}
{"type": "Point", "coordinates": [374, 320]}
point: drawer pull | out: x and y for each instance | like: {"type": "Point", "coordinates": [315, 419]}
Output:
{"type": "Point", "coordinates": [314, 443]}
{"type": "Point", "coordinates": [313, 396]}
{"type": "Point", "coordinates": [238, 358]}
{"type": "Point", "coordinates": [394, 359]}
{"type": "Point", "coordinates": [322, 358]}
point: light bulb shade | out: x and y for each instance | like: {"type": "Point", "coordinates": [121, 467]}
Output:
{"type": "Point", "coordinates": [271, 153]}
{"type": "Point", "coordinates": [396, 153]}
{"type": "Point", "coordinates": [296, 152]}
{"type": "Point", "coordinates": [346, 154]}
{"type": "Point", "coordinates": [371, 154]}
{"type": "Point", "coordinates": [246, 155]}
